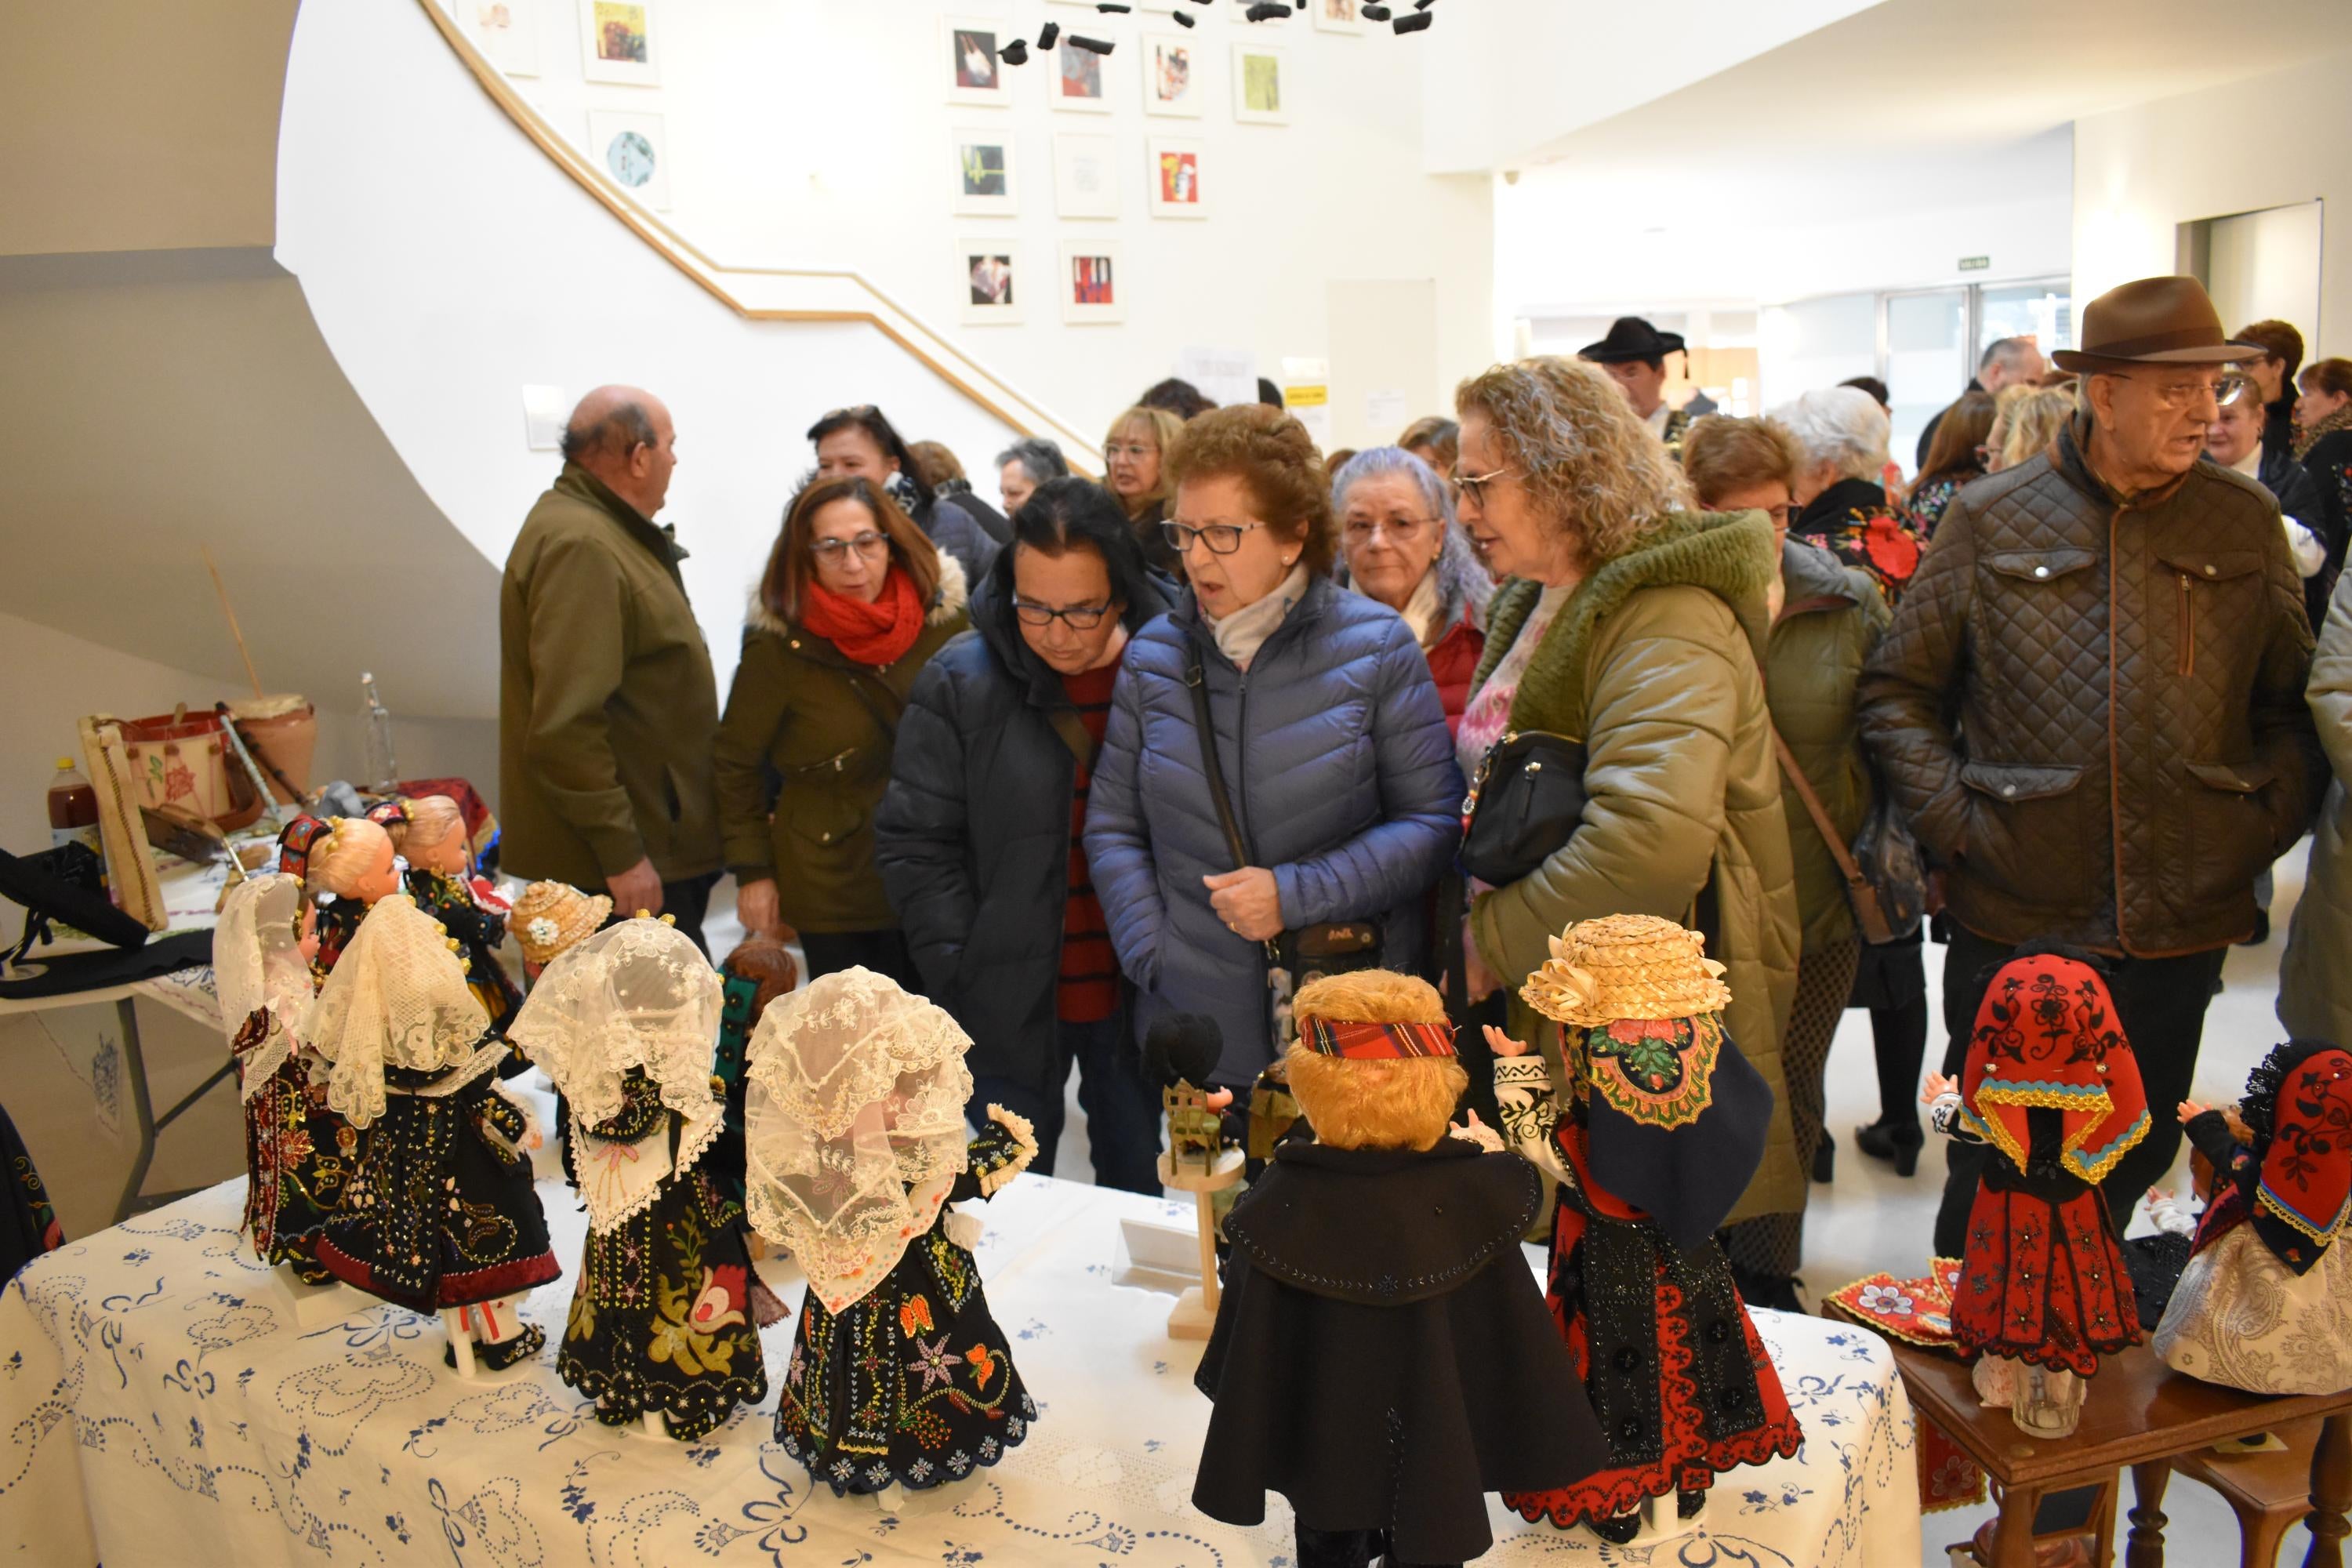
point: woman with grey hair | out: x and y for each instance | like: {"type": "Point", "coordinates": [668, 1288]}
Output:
{"type": "Point", "coordinates": [1398, 538]}
{"type": "Point", "coordinates": [1023, 466]}
{"type": "Point", "coordinates": [1841, 506]}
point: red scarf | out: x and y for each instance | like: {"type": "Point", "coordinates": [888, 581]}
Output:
{"type": "Point", "coordinates": [876, 634]}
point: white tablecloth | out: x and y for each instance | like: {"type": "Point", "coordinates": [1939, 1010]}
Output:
{"type": "Point", "coordinates": [158, 1406]}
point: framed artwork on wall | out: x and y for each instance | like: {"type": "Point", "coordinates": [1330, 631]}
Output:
{"type": "Point", "coordinates": [1337, 16]}
{"type": "Point", "coordinates": [984, 184]}
{"type": "Point", "coordinates": [1093, 282]}
{"type": "Point", "coordinates": [968, 47]}
{"type": "Point", "coordinates": [1261, 95]}
{"type": "Point", "coordinates": [1080, 79]}
{"type": "Point", "coordinates": [1176, 185]}
{"type": "Point", "coordinates": [1085, 175]}
{"type": "Point", "coordinates": [506, 31]}
{"type": "Point", "coordinates": [619, 41]}
{"type": "Point", "coordinates": [633, 151]}
{"type": "Point", "coordinates": [1173, 82]}
{"type": "Point", "coordinates": [990, 280]}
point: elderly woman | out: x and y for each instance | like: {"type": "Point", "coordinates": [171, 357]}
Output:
{"type": "Point", "coordinates": [1135, 458]}
{"type": "Point", "coordinates": [1637, 627]}
{"type": "Point", "coordinates": [1323, 791]}
{"type": "Point", "coordinates": [1841, 505]}
{"type": "Point", "coordinates": [1023, 466]}
{"type": "Point", "coordinates": [1826, 618]}
{"type": "Point", "coordinates": [1396, 527]}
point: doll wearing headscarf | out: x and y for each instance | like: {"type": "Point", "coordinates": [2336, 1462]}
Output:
{"type": "Point", "coordinates": [855, 1145]}
{"type": "Point", "coordinates": [660, 1318]}
{"type": "Point", "coordinates": [264, 980]}
{"type": "Point", "coordinates": [431, 837]}
{"type": "Point", "coordinates": [1658, 1129]}
{"type": "Point", "coordinates": [2265, 1301]}
{"type": "Point", "coordinates": [442, 1216]}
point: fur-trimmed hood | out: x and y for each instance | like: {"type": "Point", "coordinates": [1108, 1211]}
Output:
{"type": "Point", "coordinates": [950, 599]}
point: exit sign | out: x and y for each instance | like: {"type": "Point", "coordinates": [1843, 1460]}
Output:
{"type": "Point", "coordinates": [1975, 263]}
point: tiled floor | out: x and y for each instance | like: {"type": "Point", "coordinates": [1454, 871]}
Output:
{"type": "Point", "coordinates": [1867, 1219]}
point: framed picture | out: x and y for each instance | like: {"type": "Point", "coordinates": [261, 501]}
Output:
{"type": "Point", "coordinates": [1337, 16]}
{"type": "Point", "coordinates": [1080, 79]}
{"type": "Point", "coordinates": [1085, 175]}
{"type": "Point", "coordinates": [983, 174]}
{"type": "Point", "coordinates": [1093, 282]}
{"type": "Point", "coordinates": [1260, 92]}
{"type": "Point", "coordinates": [1176, 187]}
{"type": "Point", "coordinates": [506, 31]}
{"type": "Point", "coordinates": [634, 154]}
{"type": "Point", "coordinates": [1172, 83]}
{"type": "Point", "coordinates": [968, 47]}
{"type": "Point", "coordinates": [990, 281]}
{"type": "Point", "coordinates": [617, 41]}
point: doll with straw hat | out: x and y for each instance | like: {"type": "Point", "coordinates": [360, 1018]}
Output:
{"type": "Point", "coordinates": [1655, 1133]}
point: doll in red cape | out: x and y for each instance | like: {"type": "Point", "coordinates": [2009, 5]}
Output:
{"type": "Point", "coordinates": [1655, 1136]}
{"type": "Point", "coordinates": [2052, 1085]}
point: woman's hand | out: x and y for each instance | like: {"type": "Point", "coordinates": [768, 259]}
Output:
{"type": "Point", "coordinates": [1938, 1087]}
{"type": "Point", "coordinates": [1502, 1045]}
{"type": "Point", "coordinates": [1476, 978]}
{"type": "Point", "coordinates": [1248, 900]}
{"type": "Point", "coordinates": [757, 907]}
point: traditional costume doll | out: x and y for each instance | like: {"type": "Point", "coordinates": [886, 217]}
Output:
{"type": "Point", "coordinates": [660, 1318]}
{"type": "Point", "coordinates": [2265, 1302]}
{"type": "Point", "coordinates": [264, 980]}
{"type": "Point", "coordinates": [1381, 1357]}
{"type": "Point", "coordinates": [440, 878]}
{"type": "Point", "coordinates": [855, 1142]}
{"type": "Point", "coordinates": [759, 970]}
{"type": "Point", "coordinates": [345, 866]}
{"type": "Point", "coordinates": [1655, 1136]}
{"type": "Point", "coordinates": [2051, 1083]}
{"type": "Point", "coordinates": [550, 919]}
{"type": "Point", "coordinates": [442, 1216]}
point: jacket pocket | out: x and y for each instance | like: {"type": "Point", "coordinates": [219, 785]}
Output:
{"type": "Point", "coordinates": [2207, 583]}
{"type": "Point", "coordinates": [2038, 565]}
{"type": "Point", "coordinates": [2229, 830]}
{"type": "Point", "coordinates": [2024, 823]}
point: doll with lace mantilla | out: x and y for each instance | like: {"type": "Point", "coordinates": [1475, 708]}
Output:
{"type": "Point", "coordinates": [346, 864]}
{"type": "Point", "coordinates": [442, 1216]}
{"type": "Point", "coordinates": [432, 839]}
{"type": "Point", "coordinates": [856, 1144]}
{"type": "Point", "coordinates": [1655, 1135]}
{"type": "Point", "coordinates": [660, 1320]}
{"type": "Point", "coordinates": [1381, 1357]}
{"type": "Point", "coordinates": [2265, 1301]}
{"type": "Point", "coordinates": [2052, 1085]}
{"type": "Point", "coordinates": [263, 975]}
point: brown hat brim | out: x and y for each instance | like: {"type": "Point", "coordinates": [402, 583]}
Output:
{"type": "Point", "coordinates": [2211, 353]}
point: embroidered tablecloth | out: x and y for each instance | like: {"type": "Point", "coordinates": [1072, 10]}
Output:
{"type": "Point", "coordinates": [159, 1404]}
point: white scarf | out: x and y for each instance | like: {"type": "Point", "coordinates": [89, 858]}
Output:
{"type": "Point", "coordinates": [1240, 635]}
{"type": "Point", "coordinates": [1422, 609]}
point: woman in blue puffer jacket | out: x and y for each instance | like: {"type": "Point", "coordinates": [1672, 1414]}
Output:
{"type": "Point", "coordinates": [1329, 733]}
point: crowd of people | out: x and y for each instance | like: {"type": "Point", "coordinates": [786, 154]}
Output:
{"type": "Point", "coordinates": [1169, 742]}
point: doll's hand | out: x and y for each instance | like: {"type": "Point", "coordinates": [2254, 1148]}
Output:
{"type": "Point", "coordinates": [1218, 1098]}
{"type": "Point", "coordinates": [2188, 1109]}
{"type": "Point", "coordinates": [1502, 1045]}
{"type": "Point", "coordinates": [1477, 1133]}
{"type": "Point", "coordinates": [1938, 1087]}
{"type": "Point", "coordinates": [534, 1139]}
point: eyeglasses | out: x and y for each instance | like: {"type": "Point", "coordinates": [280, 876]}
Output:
{"type": "Point", "coordinates": [1474, 485]}
{"type": "Point", "coordinates": [2224, 390]}
{"type": "Point", "coordinates": [1985, 453]}
{"type": "Point", "coordinates": [1400, 530]}
{"type": "Point", "coordinates": [1221, 537]}
{"type": "Point", "coordinates": [1081, 617]}
{"type": "Point", "coordinates": [1131, 449]}
{"type": "Point", "coordinates": [869, 544]}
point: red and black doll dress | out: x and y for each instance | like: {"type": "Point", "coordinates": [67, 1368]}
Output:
{"type": "Point", "coordinates": [2052, 1085]}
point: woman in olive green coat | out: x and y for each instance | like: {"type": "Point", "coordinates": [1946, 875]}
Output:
{"type": "Point", "coordinates": [854, 603]}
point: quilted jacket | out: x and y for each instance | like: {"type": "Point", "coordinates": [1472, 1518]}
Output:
{"type": "Point", "coordinates": [2092, 705]}
{"type": "Point", "coordinates": [1335, 756]}
{"type": "Point", "coordinates": [2316, 976]}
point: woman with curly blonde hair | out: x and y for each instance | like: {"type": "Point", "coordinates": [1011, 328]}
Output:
{"type": "Point", "coordinates": [1634, 624]}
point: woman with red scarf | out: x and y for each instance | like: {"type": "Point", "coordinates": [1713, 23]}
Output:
{"type": "Point", "coordinates": [855, 602]}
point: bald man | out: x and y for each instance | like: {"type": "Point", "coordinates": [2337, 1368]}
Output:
{"type": "Point", "coordinates": [607, 707]}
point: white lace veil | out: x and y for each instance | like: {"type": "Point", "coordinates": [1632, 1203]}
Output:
{"type": "Point", "coordinates": [397, 997]}
{"type": "Point", "coordinates": [637, 995]}
{"type": "Point", "coordinates": [854, 1127]}
{"type": "Point", "coordinates": [257, 963]}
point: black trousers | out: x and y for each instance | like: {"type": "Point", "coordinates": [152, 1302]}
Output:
{"type": "Point", "coordinates": [2159, 1002]}
{"type": "Point", "coordinates": [883, 952]}
{"type": "Point", "coordinates": [1347, 1549]}
{"type": "Point", "coordinates": [689, 902]}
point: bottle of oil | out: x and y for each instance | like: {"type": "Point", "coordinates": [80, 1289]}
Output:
{"type": "Point", "coordinates": [73, 808]}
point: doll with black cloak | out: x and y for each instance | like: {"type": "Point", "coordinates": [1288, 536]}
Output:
{"type": "Point", "coordinates": [1381, 1357]}
{"type": "Point", "coordinates": [1657, 1131]}
{"type": "Point", "coordinates": [431, 837]}
{"type": "Point", "coordinates": [2265, 1301]}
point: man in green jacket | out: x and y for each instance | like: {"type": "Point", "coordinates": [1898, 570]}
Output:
{"type": "Point", "coordinates": [607, 706]}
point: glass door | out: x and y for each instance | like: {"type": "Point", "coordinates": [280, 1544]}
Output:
{"type": "Point", "coordinates": [1926, 363]}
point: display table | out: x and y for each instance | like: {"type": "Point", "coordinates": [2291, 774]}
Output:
{"type": "Point", "coordinates": [159, 1406]}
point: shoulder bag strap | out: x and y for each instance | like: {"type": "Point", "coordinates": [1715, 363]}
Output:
{"type": "Point", "coordinates": [1858, 891]}
{"type": "Point", "coordinates": [1197, 678]}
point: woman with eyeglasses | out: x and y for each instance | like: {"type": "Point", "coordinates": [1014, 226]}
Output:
{"type": "Point", "coordinates": [978, 838]}
{"type": "Point", "coordinates": [860, 443]}
{"type": "Point", "coordinates": [1955, 456]}
{"type": "Point", "coordinates": [1135, 463]}
{"type": "Point", "coordinates": [1338, 802]}
{"type": "Point", "coordinates": [853, 604]}
{"type": "Point", "coordinates": [1398, 538]}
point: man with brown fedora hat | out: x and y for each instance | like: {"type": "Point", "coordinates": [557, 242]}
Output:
{"type": "Point", "coordinates": [2091, 701]}
{"type": "Point", "coordinates": [1634, 354]}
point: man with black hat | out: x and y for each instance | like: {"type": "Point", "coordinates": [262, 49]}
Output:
{"type": "Point", "coordinates": [2090, 704]}
{"type": "Point", "coordinates": [1634, 354]}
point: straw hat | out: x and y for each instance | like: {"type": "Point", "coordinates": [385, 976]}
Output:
{"type": "Point", "coordinates": [1626, 966]}
{"type": "Point", "coordinates": [551, 916]}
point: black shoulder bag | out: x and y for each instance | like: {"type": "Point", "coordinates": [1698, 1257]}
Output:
{"type": "Point", "coordinates": [1526, 799]}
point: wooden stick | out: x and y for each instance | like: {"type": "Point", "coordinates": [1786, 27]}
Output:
{"type": "Point", "coordinates": [222, 589]}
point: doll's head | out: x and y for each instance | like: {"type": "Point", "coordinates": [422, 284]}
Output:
{"type": "Point", "coordinates": [391, 816]}
{"type": "Point", "coordinates": [352, 860]}
{"type": "Point", "coordinates": [436, 837]}
{"type": "Point", "coordinates": [1373, 1067]}
{"type": "Point", "coordinates": [551, 917]}
{"type": "Point", "coordinates": [767, 964]}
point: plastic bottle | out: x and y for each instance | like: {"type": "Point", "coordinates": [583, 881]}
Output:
{"type": "Point", "coordinates": [73, 808]}
{"type": "Point", "coordinates": [383, 772]}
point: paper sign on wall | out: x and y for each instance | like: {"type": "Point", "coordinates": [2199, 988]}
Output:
{"type": "Point", "coordinates": [1388, 411]}
{"type": "Point", "coordinates": [1224, 376]}
{"type": "Point", "coordinates": [1307, 393]}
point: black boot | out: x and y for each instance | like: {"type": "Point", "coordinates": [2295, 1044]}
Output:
{"type": "Point", "coordinates": [1825, 1159]}
{"type": "Point", "coordinates": [1898, 1143]}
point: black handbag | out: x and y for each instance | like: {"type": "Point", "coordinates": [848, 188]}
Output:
{"type": "Point", "coordinates": [1525, 800]}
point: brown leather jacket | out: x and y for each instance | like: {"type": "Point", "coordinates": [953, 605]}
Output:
{"type": "Point", "coordinates": [2092, 707]}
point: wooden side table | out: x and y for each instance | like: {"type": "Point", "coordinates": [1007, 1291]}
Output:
{"type": "Point", "coordinates": [2141, 1416]}
{"type": "Point", "coordinates": [2269, 1491]}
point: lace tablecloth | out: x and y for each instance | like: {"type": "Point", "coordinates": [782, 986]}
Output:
{"type": "Point", "coordinates": [160, 1405]}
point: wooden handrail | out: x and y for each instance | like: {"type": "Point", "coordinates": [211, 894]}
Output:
{"type": "Point", "coordinates": [857, 299]}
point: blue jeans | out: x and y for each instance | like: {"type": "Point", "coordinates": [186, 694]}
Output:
{"type": "Point", "coordinates": [1122, 1109]}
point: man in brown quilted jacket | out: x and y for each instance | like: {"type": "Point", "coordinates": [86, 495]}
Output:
{"type": "Point", "coordinates": [2091, 701]}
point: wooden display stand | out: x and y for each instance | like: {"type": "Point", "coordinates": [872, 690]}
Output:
{"type": "Point", "coordinates": [1195, 1313]}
